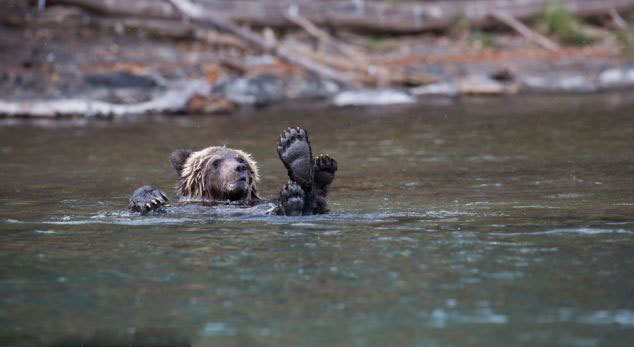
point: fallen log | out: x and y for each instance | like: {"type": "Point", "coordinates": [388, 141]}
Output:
{"type": "Point", "coordinates": [402, 17]}
{"type": "Point", "coordinates": [137, 8]}
{"type": "Point", "coordinates": [74, 17]}
{"type": "Point", "coordinates": [175, 99]}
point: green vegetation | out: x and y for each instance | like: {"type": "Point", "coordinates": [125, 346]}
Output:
{"type": "Point", "coordinates": [462, 28]}
{"type": "Point", "coordinates": [483, 39]}
{"type": "Point", "coordinates": [625, 38]}
{"type": "Point", "coordinates": [560, 22]}
{"type": "Point", "coordinates": [380, 44]}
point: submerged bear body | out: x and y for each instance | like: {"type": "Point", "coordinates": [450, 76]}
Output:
{"type": "Point", "coordinates": [223, 180]}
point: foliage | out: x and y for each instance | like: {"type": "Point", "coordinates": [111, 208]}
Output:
{"type": "Point", "coordinates": [460, 25]}
{"type": "Point", "coordinates": [380, 44]}
{"type": "Point", "coordinates": [559, 21]}
{"type": "Point", "coordinates": [462, 28]}
{"type": "Point", "coordinates": [483, 39]}
{"type": "Point", "coordinates": [625, 38]}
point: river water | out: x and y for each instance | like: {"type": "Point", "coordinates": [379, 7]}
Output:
{"type": "Point", "coordinates": [478, 222]}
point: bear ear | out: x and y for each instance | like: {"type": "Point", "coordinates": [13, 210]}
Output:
{"type": "Point", "coordinates": [178, 158]}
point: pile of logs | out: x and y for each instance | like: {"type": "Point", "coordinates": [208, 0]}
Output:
{"type": "Point", "coordinates": [229, 22]}
{"type": "Point", "coordinates": [379, 16]}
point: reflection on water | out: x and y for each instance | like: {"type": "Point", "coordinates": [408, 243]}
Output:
{"type": "Point", "coordinates": [487, 221]}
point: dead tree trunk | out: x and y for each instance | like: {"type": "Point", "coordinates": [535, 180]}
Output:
{"type": "Point", "coordinates": [404, 17]}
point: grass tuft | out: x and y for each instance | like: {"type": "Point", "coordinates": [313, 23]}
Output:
{"type": "Point", "coordinates": [559, 21]}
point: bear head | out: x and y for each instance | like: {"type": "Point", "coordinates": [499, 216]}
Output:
{"type": "Point", "coordinates": [216, 173]}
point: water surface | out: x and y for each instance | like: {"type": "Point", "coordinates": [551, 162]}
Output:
{"type": "Point", "coordinates": [506, 221]}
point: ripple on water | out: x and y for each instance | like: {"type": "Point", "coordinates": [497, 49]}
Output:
{"type": "Point", "coordinates": [398, 239]}
{"type": "Point", "coordinates": [599, 317]}
{"type": "Point", "coordinates": [604, 317]}
{"type": "Point", "coordinates": [441, 318]}
{"type": "Point", "coordinates": [569, 231]}
{"type": "Point", "coordinates": [309, 222]}
{"type": "Point", "coordinates": [144, 220]}
{"type": "Point", "coordinates": [218, 329]}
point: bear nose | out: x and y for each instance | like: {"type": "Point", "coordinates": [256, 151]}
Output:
{"type": "Point", "coordinates": [241, 167]}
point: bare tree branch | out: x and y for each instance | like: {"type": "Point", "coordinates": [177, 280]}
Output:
{"type": "Point", "coordinates": [199, 15]}
{"type": "Point", "coordinates": [403, 17]}
{"type": "Point", "coordinates": [524, 30]}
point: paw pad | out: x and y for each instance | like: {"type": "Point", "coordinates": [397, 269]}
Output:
{"type": "Point", "coordinates": [295, 152]}
{"type": "Point", "coordinates": [292, 199]}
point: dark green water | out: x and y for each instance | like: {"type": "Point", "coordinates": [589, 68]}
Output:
{"type": "Point", "coordinates": [477, 223]}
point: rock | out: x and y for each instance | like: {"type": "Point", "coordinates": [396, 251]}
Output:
{"type": "Point", "coordinates": [208, 104]}
{"type": "Point", "coordinates": [559, 83]}
{"type": "Point", "coordinates": [441, 88]}
{"type": "Point", "coordinates": [119, 79]}
{"type": "Point", "coordinates": [266, 89]}
{"type": "Point", "coordinates": [364, 97]}
{"type": "Point", "coordinates": [482, 85]}
{"type": "Point", "coordinates": [503, 75]}
{"type": "Point", "coordinates": [617, 77]}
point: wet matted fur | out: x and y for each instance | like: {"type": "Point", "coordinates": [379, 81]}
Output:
{"type": "Point", "coordinates": [200, 181]}
{"type": "Point", "coordinates": [222, 176]}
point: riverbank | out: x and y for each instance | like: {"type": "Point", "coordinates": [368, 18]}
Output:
{"type": "Point", "coordinates": [65, 61]}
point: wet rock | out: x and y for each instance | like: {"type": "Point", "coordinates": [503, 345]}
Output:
{"type": "Point", "coordinates": [617, 77]}
{"type": "Point", "coordinates": [119, 79]}
{"type": "Point", "coordinates": [483, 85]}
{"type": "Point", "coordinates": [310, 88]}
{"type": "Point", "coordinates": [266, 89]}
{"type": "Point", "coordinates": [503, 75]}
{"type": "Point", "coordinates": [441, 88]}
{"type": "Point", "coordinates": [208, 104]}
{"type": "Point", "coordinates": [561, 83]}
{"type": "Point", "coordinates": [365, 97]}
{"type": "Point", "coordinates": [260, 90]}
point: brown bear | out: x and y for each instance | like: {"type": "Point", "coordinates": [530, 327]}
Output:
{"type": "Point", "coordinates": [219, 176]}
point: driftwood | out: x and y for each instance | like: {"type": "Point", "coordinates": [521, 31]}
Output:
{"type": "Point", "coordinates": [524, 30]}
{"type": "Point", "coordinates": [405, 17]}
{"type": "Point", "coordinates": [176, 99]}
{"type": "Point", "coordinates": [356, 60]}
{"type": "Point", "coordinates": [618, 21]}
{"type": "Point", "coordinates": [73, 17]}
{"type": "Point", "coordinates": [199, 15]}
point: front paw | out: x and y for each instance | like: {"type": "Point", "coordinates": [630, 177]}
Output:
{"type": "Point", "coordinates": [146, 199]}
{"type": "Point", "coordinates": [295, 152]}
{"type": "Point", "coordinates": [325, 168]}
{"type": "Point", "coordinates": [292, 199]}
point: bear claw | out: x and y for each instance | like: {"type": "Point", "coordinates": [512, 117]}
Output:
{"type": "Point", "coordinates": [324, 171]}
{"type": "Point", "coordinates": [292, 199]}
{"type": "Point", "coordinates": [295, 152]}
{"type": "Point", "coordinates": [326, 163]}
{"type": "Point", "coordinates": [146, 199]}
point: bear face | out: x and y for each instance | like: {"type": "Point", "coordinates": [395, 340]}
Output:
{"type": "Point", "coordinates": [216, 174]}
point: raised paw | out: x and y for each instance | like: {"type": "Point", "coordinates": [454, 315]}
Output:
{"type": "Point", "coordinates": [325, 168]}
{"type": "Point", "coordinates": [146, 199]}
{"type": "Point", "coordinates": [295, 152]}
{"type": "Point", "coordinates": [291, 199]}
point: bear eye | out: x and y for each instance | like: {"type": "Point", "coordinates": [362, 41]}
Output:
{"type": "Point", "coordinates": [240, 160]}
{"type": "Point", "coordinates": [216, 163]}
